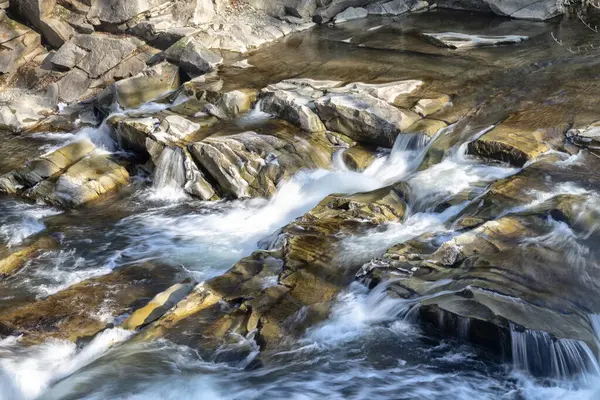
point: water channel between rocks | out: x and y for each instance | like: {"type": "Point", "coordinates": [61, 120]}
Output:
{"type": "Point", "coordinates": [383, 338]}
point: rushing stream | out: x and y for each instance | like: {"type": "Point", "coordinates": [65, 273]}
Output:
{"type": "Point", "coordinates": [371, 346]}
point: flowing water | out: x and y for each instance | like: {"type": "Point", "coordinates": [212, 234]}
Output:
{"type": "Point", "coordinates": [372, 345]}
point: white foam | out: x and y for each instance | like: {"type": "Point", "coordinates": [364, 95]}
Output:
{"type": "Point", "coordinates": [27, 373]}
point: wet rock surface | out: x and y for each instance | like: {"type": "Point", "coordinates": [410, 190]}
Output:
{"type": "Point", "coordinates": [359, 183]}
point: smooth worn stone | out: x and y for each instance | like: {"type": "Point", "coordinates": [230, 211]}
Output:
{"type": "Point", "coordinates": [291, 107]}
{"type": "Point", "coordinates": [67, 57]}
{"type": "Point", "coordinates": [350, 14]}
{"type": "Point", "coordinates": [511, 142]}
{"type": "Point", "coordinates": [88, 179]}
{"type": "Point", "coordinates": [426, 107]}
{"type": "Point", "coordinates": [427, 126]}
{"type": "Point", "coordinates": [158, 306]}
{"type": "Point", "coordinates": [75, 313]}
{"type": "Point", "coordinates": [455, 40]}
{"type": "Point", "coordinates": [364, 118]}
{"type": "Point", "coordinates": [47, 166]}
{"type": "Point", "coordinates": [252, 165]}
{"type": "Point", "coordinates": [17, 259]}
{"type": "Point", "coordinates": [387, 92]}
{"type": "Point", "coordinates": [500, 274]}
{"type": "Point", "coordinates": [358, 158]}
{"type": "Point", "coordinates": [147, 85]}
{"type": "Point", "coordinates": [178, 127]}
{"type": "Point", "coordinates": [197, 59]}
{"type": "Point", "coordinates": [281, 292]}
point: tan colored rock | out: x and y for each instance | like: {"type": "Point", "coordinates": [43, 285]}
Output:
{"type": "Point", "coordinates": [358, 158]}
{"type": "Point", "coordinates": [45, 167]}
{"type": "Point", "coordinates": [426, 107]}
{"type": "Point", "coordinates": [251, 164]}
{"type": "Point", "coordinates": [17, 259]}
{"type": "Point", "coordinates": [514, 141]}
{"type": "Point", "coordinates": [76, 313]}
{"type": "Point", "coordinates": [427, 126]}
{"type": "Point", "coordinates": [159, 305]}
{"type": "Point", "coordinates": [147, 85]}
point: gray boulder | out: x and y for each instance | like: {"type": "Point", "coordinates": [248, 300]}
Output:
{"type": "Point", "coordinates": [364, 118]}
{"type": "Point", "coordinates": [197, 59]}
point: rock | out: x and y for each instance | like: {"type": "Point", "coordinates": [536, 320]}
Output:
{"type": "Point", "coordinates": [147, 85]}
{"type": "Point", "coordinates": [48, 166]}
{"type": "Point", "coordinates": [426, 126]}
{"type": "Point", "coordinates": [387, 92]}
{"type": "Point", "coordinates": [358, 158]}
{"type": "Point", "coordinates": [17, 259]}
{"type": "Point", "coordinates": [426, 107]}
{"type": "Point", "coordinates": [76, 313]}
{"type": "Point", "coordinates": [117, 11]}
{"type": "Point", "coordinates": [539, 10]}
{"type": "Point", "coordinates": [34, 10]}
{"type": "Point", "coordinates": [280, 292]}
{"type": "Point", "coordinates": [73, 86]}
{"type": "Point", "coordinates": [251, 165]}
{"type": "Point", "coordinates": [18, 44]}
{"type": "Point", "coordinates": [364, 118]}
{"type": "Point", "coordinates": [327, 10]}
{"type": "Point", "coordinates": [92, 177]}
{"type": "Point", "coordinates": [491, 277]}
{"type": "Point", "coordinates": [394, 7]}
{"type": "Point", "coordinates": [55, 31]}
{"type": "Point", "coordinates": [21, 109]}
{"type": "Point", "coordinates": [178, 126]}
{"type": "Point", "coordinates": [203, 12]}
{"type": "Point", "coordinates": [513, 142]}
{"type": "Point", "coordinates": [104, 52]}
{"type": "Point", "coordinates": [291, 107]}
{"type": "Point", "coordinates": [67, 57]}
{"type": "Point", "coordinates": [456, 40]}
{"type": "Point", "coordinates": [196, 59]}
{"type": "Point", "coordinates": [158, 306]}
{"type": "Point", "coordinates": [350, 14]}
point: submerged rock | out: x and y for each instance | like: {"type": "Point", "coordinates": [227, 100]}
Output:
{"type": "Point", "coordinates": [17, 259]}
{"type": "Point", "coordinates": [78, 313]}
{"type": "Point", "coordinates": [456, 40]}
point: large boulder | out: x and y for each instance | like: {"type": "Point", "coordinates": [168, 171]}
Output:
{"type": "Point", "coordinates": [516, 141]}
{"type": "Point", "coordinates": [251, 165]}
{"type": "Point", "coordinates": [22, 109]}
{"type": "Point", "coordinates": [117, 11]}
{"type": "Point", "coordinates": [68, 177]}
{"type": "Point", "coordinates": [104, 52]}
{"type": "Point", "coordinates": [147, 85]}
{"type": "Point", "coordinates": [18, 44]}
{"type": "Point", "coordinates": [364, 118]}
{"type": "Point", "coordinates": [197, 59]}
{"type": "Point", "coordinates": [502, 277]}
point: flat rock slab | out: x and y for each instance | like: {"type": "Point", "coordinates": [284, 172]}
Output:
{"type": "Point", "coordinates": [455, 40]}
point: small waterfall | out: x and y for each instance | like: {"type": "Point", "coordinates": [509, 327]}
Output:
{"type": "Point", "coordinates": [539, 354]}
{"type": "Point", "coordinates": [169, 175]}
{"type": "Point", "coordinates": [253, 117]}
